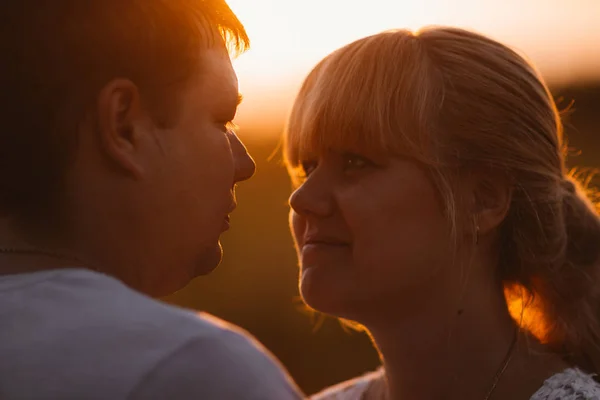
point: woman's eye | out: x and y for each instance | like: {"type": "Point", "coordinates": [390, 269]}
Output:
{"type": "Point", "coordinates": [355, 162]}
{"type": "Point", "coordinates": [302, 171]}
{"type": "Point", "coordinates": [308, 167]}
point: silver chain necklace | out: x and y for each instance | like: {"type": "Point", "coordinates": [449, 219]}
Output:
{"type": "Point", "coordinates": [501, 370]}
{"type": "Point", "coordinates": [48, 253]}
{"type": "Point", "coordinates": [503, 367]}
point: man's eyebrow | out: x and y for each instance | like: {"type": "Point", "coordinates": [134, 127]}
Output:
{"type": "Point", "coordinates": [239, 99]}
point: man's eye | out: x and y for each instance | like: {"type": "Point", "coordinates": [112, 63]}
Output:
{"type": "Point", "coordinates": [229, 126]}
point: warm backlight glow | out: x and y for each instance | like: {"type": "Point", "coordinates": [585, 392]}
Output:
{"type": "Point", "coordinates": [526, 312]}
{"type": "Point", "coordinates": [289, 37]}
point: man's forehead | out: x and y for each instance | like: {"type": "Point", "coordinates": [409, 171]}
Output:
{"type": "Point", "coordinates": [219, 78]}
{"type": "Point", "coordinates": [228, 95]}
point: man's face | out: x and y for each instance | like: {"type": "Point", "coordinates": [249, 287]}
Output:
{"type": "Point", "coordinates": [168, 210]}
{"type": "Point", "coordinates": [204, 160]}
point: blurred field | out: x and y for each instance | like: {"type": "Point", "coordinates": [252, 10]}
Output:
{"type": "Point", "coordinates": [256, 286]}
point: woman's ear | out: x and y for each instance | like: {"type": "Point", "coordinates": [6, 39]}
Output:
{"type": "Point", "coordinates": [491, 200]}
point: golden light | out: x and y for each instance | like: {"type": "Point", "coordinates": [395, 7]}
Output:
{"type": "Point", "coordinates": [526, 311]}
{"type": "Point", "coordinates": [289, 37]}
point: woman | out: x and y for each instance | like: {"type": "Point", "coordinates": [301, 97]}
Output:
{"type": "Point", "coordinates": [433, 208]}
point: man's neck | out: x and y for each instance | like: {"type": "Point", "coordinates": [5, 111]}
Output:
{"type": "Point", "coordinates": [23, 252]}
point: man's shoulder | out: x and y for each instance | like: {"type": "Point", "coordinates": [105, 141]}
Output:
{"type": "Point", "coordinates": [368, 386]}
{"type": "Point", "coordinates": [103, 309]}
{"type": "Point", "coordinates": [78, 301]}
{"type": "Point", "coordinates": [103, 331]}
{"type": "Point", "coordinates": [99, 308]}
{"type": "Point", "coordinates": [229, 364]}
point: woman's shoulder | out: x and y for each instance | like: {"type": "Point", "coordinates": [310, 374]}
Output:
{"type": "Point", "coordinates": [570, 384]}
{"type": "Point", "coordinates": [368, 386]}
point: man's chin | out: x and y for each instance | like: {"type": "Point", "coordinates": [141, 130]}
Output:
{"type": "Point", "coordinates": [174, 281]}
{"type": "Point", "coordinates": [209, 260]}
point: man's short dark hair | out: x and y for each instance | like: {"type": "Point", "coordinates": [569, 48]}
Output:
{"type": "Point", "coordinates": [58, 54]}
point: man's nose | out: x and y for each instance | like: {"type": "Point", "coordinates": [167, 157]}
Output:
{"type": "Point", "coordinates": [245, 167]}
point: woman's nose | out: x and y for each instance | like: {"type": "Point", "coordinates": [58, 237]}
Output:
{"type": "Point", "coordinates": [313, 197]}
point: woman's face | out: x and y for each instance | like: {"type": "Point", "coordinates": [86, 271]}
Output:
{"type": "Point", "coordinates": [369, 232]}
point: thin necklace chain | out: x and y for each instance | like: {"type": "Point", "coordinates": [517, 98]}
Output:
{"type": "Point", "coordinates": [498, 375]}
{"type": "Point", "coordinates": [47, 253]}
{"type": "Point", "coordinates": [503, 367]}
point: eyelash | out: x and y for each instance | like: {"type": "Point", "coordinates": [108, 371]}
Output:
{"type": "Point", "coordinates": [351, 156]}
{"type": "Point", "coordinates": [307, 167]}
{"type": "Point", "coordinates": [229, 126]}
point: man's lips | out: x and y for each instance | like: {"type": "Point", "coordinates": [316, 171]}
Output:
{"type": "Point", "coordinates": [226, 223]}
{"type": "Point", "coordinates": [227, 220]}
{"type": "Point", "coordinates": [232, 207]}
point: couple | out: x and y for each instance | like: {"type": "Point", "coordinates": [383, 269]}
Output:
{"type": "Point", "coordinates": [432, 206]}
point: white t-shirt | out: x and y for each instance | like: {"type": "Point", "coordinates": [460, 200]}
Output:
{"type": "Point", "coordinates": [73, 334]}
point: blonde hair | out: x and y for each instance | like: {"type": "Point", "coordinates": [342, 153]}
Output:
{"type": "Point", "coordinates": [455, 101]}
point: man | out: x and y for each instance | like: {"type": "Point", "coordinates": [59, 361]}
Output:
{"type": "Point", "coordinates": [117, 176]}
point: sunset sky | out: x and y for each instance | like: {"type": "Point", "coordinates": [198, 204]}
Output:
{"type": "Point", "coordinates": [289, 37]}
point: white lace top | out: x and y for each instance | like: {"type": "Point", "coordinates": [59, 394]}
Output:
{"type": "Point", "coordinates": [570, 384]}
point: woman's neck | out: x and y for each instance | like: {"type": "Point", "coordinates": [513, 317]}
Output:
{"type": "Point", "coordinates": [450, 352]}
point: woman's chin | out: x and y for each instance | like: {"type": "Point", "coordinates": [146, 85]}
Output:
{"type": "Point", "coordinates": [325, 292]}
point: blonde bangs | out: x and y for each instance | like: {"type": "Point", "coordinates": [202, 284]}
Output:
{"type": "Point", "coordinates": [374, 96]}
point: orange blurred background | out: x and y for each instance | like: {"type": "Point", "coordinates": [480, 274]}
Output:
{"type": "Point", "coordinates": [256, 285]}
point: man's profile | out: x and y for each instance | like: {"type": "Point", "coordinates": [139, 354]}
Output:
{"type": "Point", "coordinates": [117, 177]}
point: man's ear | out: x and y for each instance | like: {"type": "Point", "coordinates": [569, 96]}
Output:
{"type": "Point", "coordinates": [121, 123]}
{"type": "Point", "coordinates": [491, 200]}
